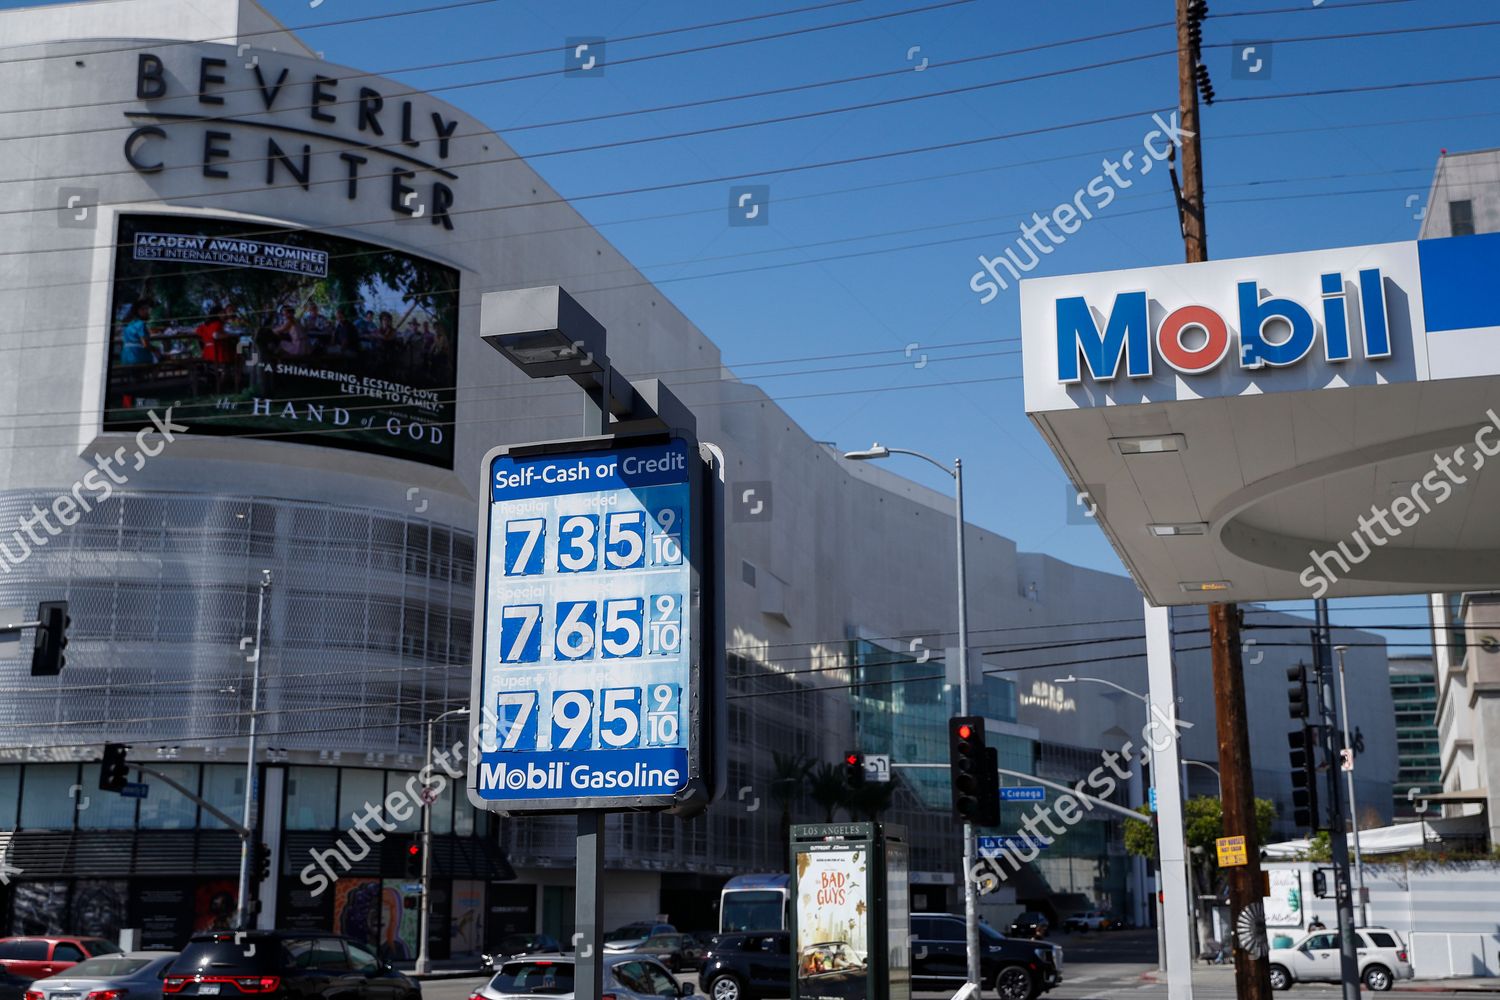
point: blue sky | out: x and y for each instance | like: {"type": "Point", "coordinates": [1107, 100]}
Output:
{"type": "Point", "coordinates": [1281, 175]}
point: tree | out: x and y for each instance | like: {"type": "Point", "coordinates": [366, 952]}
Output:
{"type": "Point", "coordinates": [871, 799]}
{"type": "Point", "coordinates": [825, 785]}
{"type": "Point", "coordinates": [1202, 825]}
{"type": "Point", "coordinates": [788, 772]}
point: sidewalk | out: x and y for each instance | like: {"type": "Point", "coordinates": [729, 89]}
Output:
{"type": "Point", "coordinates": [1223, 975]}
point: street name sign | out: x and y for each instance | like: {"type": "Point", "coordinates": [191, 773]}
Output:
{"type": "Point", "coordinates": [135, 790]}
{"type": "Point", "coordinates": [994, 845]}
{"type": "Point", "coordinates": [1024, 793]}
{"type": "Point", "coordinates": [589, 684]}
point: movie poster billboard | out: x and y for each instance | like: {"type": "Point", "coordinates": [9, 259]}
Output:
{"type": "Point", "coordinates": [249, 330]}
{"type": "Point", "coordinates": [833, 913]}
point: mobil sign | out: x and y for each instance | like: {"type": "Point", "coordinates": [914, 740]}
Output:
{"type": "Point", "coordinates": [1395, 312]}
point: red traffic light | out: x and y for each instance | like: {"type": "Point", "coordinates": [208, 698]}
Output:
{"type": "Point", "coordinates": [852, 759]}
{"type": "Point", "coordinates": [413, 849]}
{"type": "Point", "coordinates": [964, 732]}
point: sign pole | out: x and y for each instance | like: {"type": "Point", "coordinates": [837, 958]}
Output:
{"type": "Point", "coordinates": [250, 769]}
{"type": "Point", "coordinates": [588, 932]}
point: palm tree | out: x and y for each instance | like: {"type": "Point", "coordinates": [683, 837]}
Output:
{"type": "Point", "coordinates": [871, 799]}
{"type": "Point", "coordinates": [825, 785]}
{"type": "Point", "coordinates": [788, 771]}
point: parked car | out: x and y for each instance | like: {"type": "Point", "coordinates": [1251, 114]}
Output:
{"type": "Point", "coordinates": [626, 977]}
{"type": "Point", "coordinates": [1012, 968]}
{"type": "Point", "coordinates": [515, 945]}
{"type": "Point", "coordinates": [137, 973]}
{"type": "Point", "coordinates": [40, 957]}
{"type": "Point", "coordinates": [624, 938]}
{"type": "Point", "coordinates": [13, 987]}
{"type": "Point", "coordinates": [1029, 925]}
{"type": "Point", "coordinates": [284, 965]}
{"type": "Point", "coordinates": [675, 951]}
{"type": "Point", "coordinates": [748, 966]}
{"type": "Point", "coordinates": [1089, 920]}
{"type": "Point", "coordinates": [1382, 959]}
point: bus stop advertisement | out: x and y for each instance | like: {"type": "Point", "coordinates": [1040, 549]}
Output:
{"type": "Point", "coordinates": [851, 912]}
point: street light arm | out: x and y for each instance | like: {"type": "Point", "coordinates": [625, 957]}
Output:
{"type": "Point", "coordinates": [946, 467]}
{"type": "Point", "coordinates": [1070, 679]}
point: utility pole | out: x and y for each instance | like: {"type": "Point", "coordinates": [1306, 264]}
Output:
{"type": "Point", "coordinates": [1337, 841]}
{"type": "Point", "coordinates": [1237, 788]}
{"type": "Point", "coordinates": [251, 791]}
{"type": "Point", "coordinates": [1252, 971]}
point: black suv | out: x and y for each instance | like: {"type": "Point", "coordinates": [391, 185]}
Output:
{"type": "Point", "coordinates": [283, 965]}
{"type": "Point", "coordinates": [1013, 969]}
{"type": "Point", "coordinates": [748, 966]}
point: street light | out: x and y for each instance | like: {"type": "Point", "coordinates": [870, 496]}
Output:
{"type": "Point", "coordinates": [875, 452]}
{"type": "Point", "coordinates": [424, 963]}
{"type": "Point", "coordinates": [1359, 861]}
{"type": "Point", "coordinates": [1070, 679]}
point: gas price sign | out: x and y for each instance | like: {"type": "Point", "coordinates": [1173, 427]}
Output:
{"type": "Point", "coordinates": [588, 628]}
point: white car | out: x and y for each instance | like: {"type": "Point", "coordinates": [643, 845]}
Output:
{"type": "Point", "coordinates": [626, 977]}
{"type": "Point", "coordinates": [1382, 959]}
{"type": "Point", "coordinates": [1090, 920]}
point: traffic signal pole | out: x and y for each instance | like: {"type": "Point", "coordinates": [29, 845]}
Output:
{"type": "Point", "coordinates": [971, 888]}
{"type": "Point", "coordinates": [243, 914]}
{"type": "Point", "coordinates": [1337, 841]}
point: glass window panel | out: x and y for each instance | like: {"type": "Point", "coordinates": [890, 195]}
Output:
{"type": "Point", "coordinates": [358, 789]}
{"type": "Point", "coordinates": [45, 802]}
{"type": "Point", "coordinates": [395, 781]}
{"type": "Point", "coordinates": [442, 811]}
{"type": "Point", "coordinates": [311, 794]}
{"type": "Point", "coordinates": [10, 795]}
{"type": "Point", "coordinates": [463, 816]}
{"type": "Point", "coordinates": [106, 810]}
{"type": "Point", "coordinates": [224, 786]}
{"type": "Point", "coordinates": [165, 808]}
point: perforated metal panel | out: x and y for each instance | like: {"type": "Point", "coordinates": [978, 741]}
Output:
{"type": "Point", "coordinates": [367, 629]}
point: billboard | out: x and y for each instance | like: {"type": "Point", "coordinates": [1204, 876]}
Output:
{"type": "Point", "coordinates": [589, 628]}
{"type": "Point", "coordinates": [833, 900]}
{"type": "Point", "coordinates": [249, 330]}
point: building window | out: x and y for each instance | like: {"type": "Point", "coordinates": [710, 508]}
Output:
{"type": "Point", "coordinates": [1461, 218]}
{"type": "Point", "coordinates": [10, 794]}
{"type": "Point", "coordinates": [395, 782]}
{"type": "Point", "coordinates": [49, 796]}
{"type": "Point", "coordinates": [224, 786]}
{"type": "Point", "coordinates": [358, 789]}
{"type": "Point", "coordinates": [165, 808]}
{"type": "Point", "coordinates": [311, 794]}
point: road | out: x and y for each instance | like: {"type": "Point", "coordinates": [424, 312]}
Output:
{"type": "Point", "coordinates": [1095, 967]}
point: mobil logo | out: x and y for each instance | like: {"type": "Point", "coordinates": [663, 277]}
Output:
{"type": "Point", "coordinates": [1194, 339]}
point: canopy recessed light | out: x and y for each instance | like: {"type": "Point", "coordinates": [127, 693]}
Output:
{"type": "Point", "coordinates": [1185, 528]}
{"type": "Point", "coordinates": [1203, 585]}
{"type": "Point", "coordinates": [1149, 445]}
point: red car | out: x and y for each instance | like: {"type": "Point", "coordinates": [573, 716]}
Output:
{"type": "Point", "coordinates": [40, 957]}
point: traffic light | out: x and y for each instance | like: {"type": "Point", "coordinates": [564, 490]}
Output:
{"type": "Point", "coordinates": [968, 760]}
{"type": "Point", "coordinates": [260, 862]}
{"type": "Point", "coordinates": [412, 858]}
{"type": "Point", "coordinates": [854, 769]}
{"type": "Point", "coordinates": [51, 639]}
{"type": "Point", "coordinates": [1320, 883]}
{"type": "Point", "coordinates": [113, 771]}
{"type": "Point", "coordinates": [1304, 762]}
{"type": "Point", "coordinates": [1296, 691]}
{"type": "Point", "coordinates": [989, 789]}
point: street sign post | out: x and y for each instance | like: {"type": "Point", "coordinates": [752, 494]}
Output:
{"type": "Point", "coordinates": [595, 683]}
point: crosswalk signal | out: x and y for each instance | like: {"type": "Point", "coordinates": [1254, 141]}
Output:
{"type": "Point", "coordinates": [854, 769]}
{"type": "Point", "coordinates": [51, 639]}
{"type": "Point", "coordinates": [1304, 760]}
{"type": "Point", "coordinates": [968, 760]}
{"type": "Point", "coordinates": [1320, 883]}
{"type": "Point", "coordinates": [412, 857]}
{"type": "Point", "coordinates": [1296, 691]}
{"type": "Point", "coordinates": [260, 862]}
{"type": "Point", "coordinates": [114, 773]}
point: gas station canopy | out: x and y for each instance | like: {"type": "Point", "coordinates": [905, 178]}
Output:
{"type": "Point", "coordinates": [1301, 425]}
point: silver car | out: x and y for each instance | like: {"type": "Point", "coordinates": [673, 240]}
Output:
{"type": "Point", "coordinates": [626, 977]}
{"type": "Point", "coordinates": [133, 974]}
